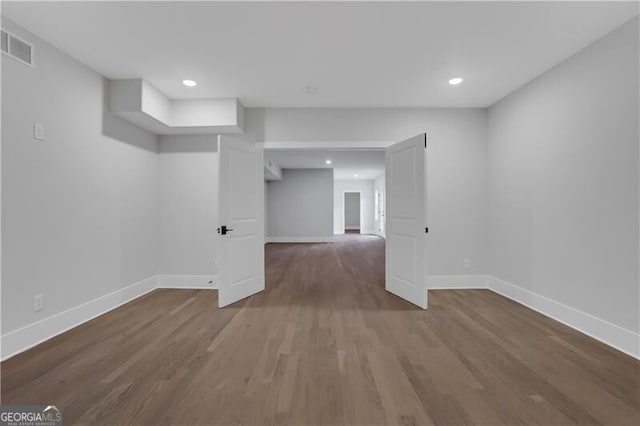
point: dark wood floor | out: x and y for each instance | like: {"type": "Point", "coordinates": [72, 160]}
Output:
{"type": "Point", "coordinates": [325, 344]}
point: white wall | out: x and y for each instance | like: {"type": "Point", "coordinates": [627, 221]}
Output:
{"type": "Point", "coordinates": [457, 184]}
{"type": "Point", "coordinates": [365, 188]}
{"type": "Point", "coordinates": [188, 188]}
{"type": "Point", "coordinates": [300, 206]}
{"type": "Point", "coordinates": [563, 158]}
{"type": "Point", "coordinates": [456, 166]}
{"type": "Point", "coordinates": [379, 185]}
{"type": "Point", "coordinates": [80, 209]}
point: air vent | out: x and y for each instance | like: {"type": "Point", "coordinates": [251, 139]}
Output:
{"type": "Point", "coordinates": [17, 48]}
{"type": "Point", "coordinates": [5, 42]}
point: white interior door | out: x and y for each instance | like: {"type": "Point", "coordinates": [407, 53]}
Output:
{"type": "Point", "coordinates": [405, 217]}
{"type": "Point", "coordinates": [241, 216]}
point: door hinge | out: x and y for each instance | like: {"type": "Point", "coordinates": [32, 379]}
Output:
{"type": "Point", "coordinates": [425, 140]}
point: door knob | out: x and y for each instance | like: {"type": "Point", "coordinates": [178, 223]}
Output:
{"type": "Point", "coordinates": [223, 230]}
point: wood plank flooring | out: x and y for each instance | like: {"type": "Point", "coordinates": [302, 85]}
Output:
{"type": "Point", "coordinates": [326, 345]}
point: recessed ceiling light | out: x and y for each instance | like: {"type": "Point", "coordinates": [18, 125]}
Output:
{"type": "Point", "coordinates": [455, 81]}
{"type": "Point", "coordinates": [328, 161]}
{"type": "Point", "coordinates": [355, 175]}
{"type": "Point", "coordinates": [189, 83]}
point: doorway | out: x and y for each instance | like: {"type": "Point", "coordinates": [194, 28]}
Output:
{"type": "Point", "coordinates": [376, 193]}
{"type": "Point", "coordinates": [352, 213]}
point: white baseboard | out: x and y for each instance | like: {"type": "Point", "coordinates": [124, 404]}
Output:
{"type": "Point", "coordinates": [187, 281]}
{"type": "Point", "coordinates": [26, 337]}
{"type": "Point", "coordinates": [450, 282]}
{"type": "Point", "coordinates": [610, 334]}
{"type": "Point", "coordinates": [613, 335]}
{"type": "Point", "coordinates": [300, 239]}
{"type": "Point", "coordinates": [31, 335]}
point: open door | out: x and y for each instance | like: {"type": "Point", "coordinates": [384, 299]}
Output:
{"type": "Point", "coordinates": [405, 216]}
{"type": "Point", "coordinates": [241, 227]}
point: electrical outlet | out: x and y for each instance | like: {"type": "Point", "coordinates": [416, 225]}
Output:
{"type": "Point", "coordinates": [38, 131]}
{"type": "Point", "coordinates": [466, 264]}
{"type": "Point", "coordinates": [38, 302]}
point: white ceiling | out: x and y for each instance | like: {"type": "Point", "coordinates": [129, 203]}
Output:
{"type": "Point", "coordinates": [364, 54]}
{"type": "Point", "coordinates": [345, 164]}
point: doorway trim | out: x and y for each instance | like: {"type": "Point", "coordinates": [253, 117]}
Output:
{"type": "Point", "coordinates": [328, 145]}
{"type": "Point", "coordinates": [379, 200]}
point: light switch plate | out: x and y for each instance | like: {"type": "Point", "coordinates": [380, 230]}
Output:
{"type": "Point", "coordinates": [38, 131]}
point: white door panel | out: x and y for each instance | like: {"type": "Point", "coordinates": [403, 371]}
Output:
{"type": "Point", "coordinates": [405, 220]}
{"type": "Point", "coordinates": [241, 201]}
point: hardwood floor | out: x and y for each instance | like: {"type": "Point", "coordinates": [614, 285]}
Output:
{"type": "Point", "coordinates": [325, 344]}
